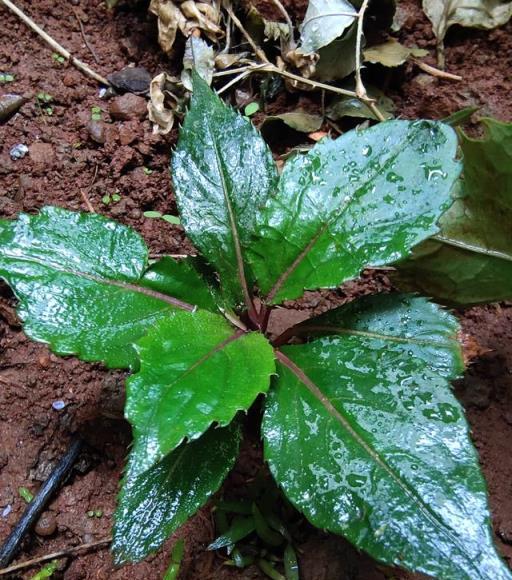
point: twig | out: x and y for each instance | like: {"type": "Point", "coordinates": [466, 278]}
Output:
{"type": "Point", "coordinates": [37, 505]}
{"type": "Point", "coordinates": [54, 556]}
{"type": "Point", "coordinates": [84, 194]}
{"type": "Point", "coordinates": [257, 50]}
{"type": "Point", "coordinates": [86, 42]}
{"type": "Point", "coordinates": [435, 72]}
{"type": "Point", "coordinates": [232, 82]}
{"type": "Point", "coordinates": [54, 44]}
{"type": "Point", "coordinates": [289, 22]}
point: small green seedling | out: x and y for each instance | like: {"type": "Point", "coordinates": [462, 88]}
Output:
{"type": "Point", "coordinates": [108, 198]}
{"type": "Point", "coordinates": [43, 101]}
{"type": "Point", "coordinates": [47, 571]}
{"type": "Point", "coordinates": [58, 58]}
{"type": "Point", "coordinates": [147, 171]}
{"type": "Point", "coordinates": [6, 78]}
{"type": "Point", "coordinates": [25, 494]}
{"type": "Point", "coordinates": [95, 513]}
{"type": "Point", "coordinates": [171, 219]}
{"type": "Point", "coordinates": [251, 109]}
{"type": "Point", "coordinates": [96, 113]}
{"type": "Point", "coordinates": [360, 426]}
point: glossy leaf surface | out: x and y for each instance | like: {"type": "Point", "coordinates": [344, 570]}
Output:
{"type": "Point", "coordinates": [78, 281]}
{"type": "Point", "coordinates": [195, 369]}
{"type": "Point", "coordinates": [470, 261]}
{"type": "Point", "coordinates": [180, 278]}
{"type": "Point", "coordinates": [153, 505]}
{"type": "Point", "coordinates": [222, 172]}
{"type": "Point", "coordinates": [363, 199]}
{"type": "Point", "coordinates": [363, 433]}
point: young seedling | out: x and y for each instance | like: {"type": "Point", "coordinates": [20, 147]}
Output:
{"type": "Point", "coordinates": [361, 429]}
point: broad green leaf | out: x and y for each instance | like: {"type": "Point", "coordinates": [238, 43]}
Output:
{"type": "Point", "coordinates": [470, 261]}
{"type": "Point", "coordinates": [365, 436]}
{"type": "Point", "coordinates": [195, 369]}
{"type": "Point", "coordinates": [364, 199]}
{"type": "Point", "coordinates": [470, 13]}
{"type": "Point", "coordinates": [223, 172]}
{"type": "Point", "coordinates": [325, 21]}
{"type": "Point", "coordinates": [78, 278]}
{"type": "Point", "coordinates": [240, 528]}
{"type": "Point", "coordinates": [153, 505]}
{"type": "Point", "coordinates": [337, 60]}
{"type": "Point", "coordinates": [180, 278]}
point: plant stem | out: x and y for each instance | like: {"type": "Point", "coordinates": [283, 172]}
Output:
{"type": "Point", "coordinates": [289, 22]}
{"type": "Point", "coordinates": [37, 505]}
{"type": "Point", "coordinates": [435, 72]}
{"type": "Point", "coordinates": [54, 44]}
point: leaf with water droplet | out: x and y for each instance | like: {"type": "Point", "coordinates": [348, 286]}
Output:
{"type": "Point", "coordinates": [369, 442]}
{"type": "Point", "coordinates": [80, 281]}
{"type": "Point", "coordinates": [154, 504]}
{"type": "Point", "coordinates": [335, 214]}
{"type": "Point", "coordinates": [195, 370]}
{"type": "Point", "coordinates": [470, 260]}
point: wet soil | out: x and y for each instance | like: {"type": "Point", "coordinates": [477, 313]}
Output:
{"type": "Point", "coordinates": [65, 166]}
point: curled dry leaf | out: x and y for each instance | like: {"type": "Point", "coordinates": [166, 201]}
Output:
{"type": "Point", "coordinates": [186, 17]}
{"type": "Point", "coordinates": [160, 113]}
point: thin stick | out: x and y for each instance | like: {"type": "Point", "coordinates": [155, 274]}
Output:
{"type": "Point", "coordinates": [360, 88]}
{"type": "Point", "coordinates": [54, 44]}
{"type": "Point", "coordinates": [84, 195]}
{"type": "Point", "coordinates": [54, 556]}
{"type": "Point", "coordinates": [257, 50]}
{"type": "Point", "coordinates": [37, 505]}
{"type": "Point", "coordinates": [232, 82]}
{"type": "Point", "coordinates": [86, 42]}
{"type": "Point", "coordinates": [289, 22]}
{"type": "Point", "coordinates": [435, 72]}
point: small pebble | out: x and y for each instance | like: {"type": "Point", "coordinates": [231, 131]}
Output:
{"type": "Point", "coordinates": [102, 92]}
{"type": "Point", "coordinates": [6, 511]}
{"type": "Point", "coordinates": [46, 524]}
{"type": "Point", "coordinates": [18, 151]}
{"type": "Point", "coordinates": [58, 405]}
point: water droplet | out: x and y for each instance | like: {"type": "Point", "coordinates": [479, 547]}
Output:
{"type": "Point", "coordinates": [394, 177]}
{"type": "Point", "coordinates": [367, 151]}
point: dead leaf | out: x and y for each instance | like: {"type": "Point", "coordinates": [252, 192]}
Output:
{"type": "Point", "coordinates": [185, 16]}
{"type": "Point", "coordinates": [390, 53]}
{"type": "Point", "coordinates": [163, 103]}
{"type": "Point", "coordinates": [298, 120]}
{"type": "Point", "coordinates": [470, 13]}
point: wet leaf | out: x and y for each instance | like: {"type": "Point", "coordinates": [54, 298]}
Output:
{"type": "Point", "coordinates": [460, 117]}
{"type": "Point", "coordinates": [199, 56]}
{"type": "Point", "coordinates": [239, 529]}
{"type": "Point", "coordinates": [470, 261]}
{"type": "Point", "coordinates": [79, 279]}
{"type": "Point", "coordinates": [298, 120]}
{"type": "Point", "coordinates": [363, 199]}
{"type": "Point", "coordinates": [471, 13]}
{"type": "Point", "coordinates": [222, 172]}
{"type": "Point", "coordinates": [195, 369]}
{"type": "Point", "coordinates": [366, 438]}
{"type": "Point", "coordinates": [345, 106]}
{"type": "Point", "coordinates": [152, 506]}
{"type": "Point", "coordinates": [325, 21]}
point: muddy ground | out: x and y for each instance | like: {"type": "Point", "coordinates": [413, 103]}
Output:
{"type": "Point", "coordinates": [64, 163]}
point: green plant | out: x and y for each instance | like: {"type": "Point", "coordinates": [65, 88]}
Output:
{"type": "Point", "coordinates": [43, 103]}
{"type": "Point", "coordinates": [361, 429]}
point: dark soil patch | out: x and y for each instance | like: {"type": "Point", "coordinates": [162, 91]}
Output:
{"type": "Point", "coordinates": [65, 163]}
